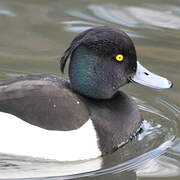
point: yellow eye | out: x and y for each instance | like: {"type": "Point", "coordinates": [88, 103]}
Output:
{"type": "Point", "coordinates": [119, 57]}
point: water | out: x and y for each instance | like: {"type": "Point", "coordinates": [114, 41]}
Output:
{"type": "Point", "coordinates": [34, 34]}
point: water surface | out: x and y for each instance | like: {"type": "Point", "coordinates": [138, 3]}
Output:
{"type": "Point", "coordinates": [34, 34]}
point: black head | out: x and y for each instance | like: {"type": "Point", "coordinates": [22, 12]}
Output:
{"type": "Point", "coordinates": [102, 60]}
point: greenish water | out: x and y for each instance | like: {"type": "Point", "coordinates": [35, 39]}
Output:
{"type": "Point", "coordinates": [34, 34]}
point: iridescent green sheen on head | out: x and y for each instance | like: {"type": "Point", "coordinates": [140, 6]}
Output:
{"type": "Point", "coordinates": [83, 74]}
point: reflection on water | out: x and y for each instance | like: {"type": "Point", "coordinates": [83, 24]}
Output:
{"type": "Point", "coordinates": [7, 13]}
{"type": "Point", "coordinates": [127, 16]}
{"type": "Point", "coordinates": [35, 33]}
{"type": "Point", "coordinates": [164, 166]}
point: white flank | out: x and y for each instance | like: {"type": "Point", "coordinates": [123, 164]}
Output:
{"type": "Point", "coordinates": [20, 138]}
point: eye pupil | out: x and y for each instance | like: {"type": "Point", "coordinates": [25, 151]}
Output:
{"type": "Point", "coordinates": [119, 57]}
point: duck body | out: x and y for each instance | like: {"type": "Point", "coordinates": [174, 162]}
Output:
{"type": "Point", "coordinates": [84, 117]}
{"type": "Point", "coordinates": [57, 123]}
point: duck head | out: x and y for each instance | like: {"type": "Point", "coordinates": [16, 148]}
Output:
{"type": "Point", "coordinates": [103, 59]}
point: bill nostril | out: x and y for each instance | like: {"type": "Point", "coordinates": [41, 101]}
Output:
{"type": "Point", "coordinates": [171, 84]}
{"type": "Point", "coordinates": [146, 73]}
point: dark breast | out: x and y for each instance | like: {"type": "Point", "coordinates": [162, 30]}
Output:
{"type": "Point", "coordinates": [116, 121]}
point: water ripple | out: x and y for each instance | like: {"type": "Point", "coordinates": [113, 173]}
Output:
{"type": "Point", "coordinates": [7, 13]}
{"type": "Point", "coordinates": [127, 17]}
